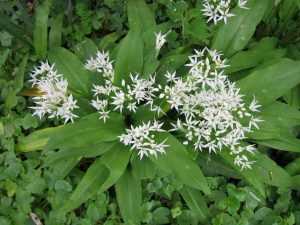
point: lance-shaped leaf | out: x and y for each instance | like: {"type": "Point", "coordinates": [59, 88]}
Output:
{"type": "Point", "coordinates": [235, 35]}
{"type": "Point", "coordinates": [101, 175]}
{"type": "Point", "coordinates": [195, 201]}
{"type": "Point", "coordinates": [129, 196]}
{"type": "Point", "coordinates": [89, 151]}
{"type": "Point", "coordinates": [264, 50]}
{"type": "Point", "coordinates": [177, 161]}
{"type": "Point", "coordinates": [68, 64]}
{"type": "Point", "coordinates": [140, 16]}
{"type": "Point", "coordinates": [269, 172]}
{"type": "Point", "coordinates": [129, 57]}
{"type": "Point", "coordinates": [277, 128]}
{"type": "Point", "coordinates": [87, 131]}
{"type": "Point", "coordinates": [40, 32]}
{"type": "Point", "coordinates": [271, 82]}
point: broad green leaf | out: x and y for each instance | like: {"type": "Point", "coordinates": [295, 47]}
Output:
{"type": "Point", "coordinates": [63, 168]}
{"type": "Point", "coordinates": [87, 131]}
{"type": "Point", "coordinates": [36, 140]}
{"type": "Point", "coordinates": [277, 128]}
{"type": "Point", "coordinates": [116, 161]}
{"type": "Point", "coordinates": [293, 97]}
{"type": "Point", "coordinates": [40, 32]}
{"type": "Point", "coordinates": [140, 17]}
{"type": "Point", "coordinates": [145, 169]}
{"type": "Point", "coordinates": [101, 175]}
{"type": "Point", "coordinates": [129, 57]}
{"type": "Point", "coordinates": [195, 201]}
{"type": "Point", "coordinates": [55, 34]}
{"type": "Point", "coordinates": [19, 79]}
{"type": "Point", "coordinates": [287, 10]}
{"type": "Point", "coordinates": [271, 82]}
{"type": "Point", "coordinates": [269, 172]}
{"type": "Point", "coordinates": [178, 162]}
{"type": "Point", "coordinates": [85, 49]}
{"type": "Point", "coordinates": [91, 150]}
{"type": "Point", "coordinates": [129, 197]}
{"type": "Point", "coordinates": [72, 68]}
{"type": "Point", "coordinates": [94, 177]}
{"type": "Point", "coordinates": [235, 35]}
{"type": "Point", "coordinates": [264, 50]}
{"type": "Point", "coordinates": [108, 42]}
{"type": "Point", "coordinates": [293, 167]}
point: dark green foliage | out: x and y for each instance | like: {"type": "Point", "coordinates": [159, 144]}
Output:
{"type": "Point", "coordinates": [84, 176]}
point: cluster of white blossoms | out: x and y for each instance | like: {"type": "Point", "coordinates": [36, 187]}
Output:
{"type": "Point", "coordinates": [53, 100]}
{"type": "Point", "coordinates": [142, 139]}
{"type": "Point", "coordinates": [102, 64]}
{"type": "Point", "coordinates": [127, 98]}
{"type": "Point", "coordinates": [211, 112]}
{"type": "Point", "coordinates": [220, 10]}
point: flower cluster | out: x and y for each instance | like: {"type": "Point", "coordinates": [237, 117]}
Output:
{"type": "Point", "coordinates": [54, 100]}
{"type": "Point", "coordinates": [212, 113]}
{"type": "Point", "coordinates": [102, 64]}
{"type": "Point", "coordinates": [127, 98]}
{"type": "Point", "coordinates": [220, 10]}
{"type": "Point", "coordinates": [142, 139]}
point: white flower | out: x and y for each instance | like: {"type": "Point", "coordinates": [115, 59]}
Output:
{"type": "Point", "coordinates": [211, 112]}
{"type": "Point", "coordinates": [220, 10]}
{"type": "Point", "coordinates": [54, 101]}
{"type": "Point", "coordinates": [160, 40]}
{"type": "Point", "coordinates": [142, 139]}
{"type": "Point", "coordinates": [210, 107]}
{"type": "Point", "coordinates": [102, 64]}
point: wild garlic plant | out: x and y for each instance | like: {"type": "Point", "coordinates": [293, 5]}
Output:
{"type": "Point", "coordinates": [53, 100]}
{"type": "Point", "coordinates": [221, 10]}
{"type": "Point", "coordinates": [211, 112]}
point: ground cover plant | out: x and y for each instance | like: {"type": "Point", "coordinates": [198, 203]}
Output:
{"type": "Point", "coordinates": [150, 112]}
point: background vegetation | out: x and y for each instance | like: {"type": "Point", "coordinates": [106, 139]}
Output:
{"type": "Point", "coordinates": [28, 187]}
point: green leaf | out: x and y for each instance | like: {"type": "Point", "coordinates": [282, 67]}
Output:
{"type": "Point", "coordinates": [145, 169]}
{"type": "Point", "coordinates": [140, 17]}
{"type": "Point", "coordinates": [19, 79]}
{"type": "Point", "coordinates": [85, 49]}
{"type": "Point", "coordinates": [293, 167]}
{"type": "Point", "coordinates": [89, 185]}
{"type": "Point", "coordinates": [129, 197]}
{"type": "Point", "coordinates": [40, 32]}
{"type": "Point", "coordinates": [129, 57]}
{"type": "Point", "coordinates": [277, 128]}
{"type": "Point", "coordinates": [269, 172]}
{"type": "Point", "coordinates": [92, 150]}
{"type": "Point", "coordinates": [178, 162]}
{"type": "Point", "coordinates": [55, 34]}
{"type": "Point", "coordinates": [195, 202]}
{"type": "Point", "coordinates": [264, 50]}
{"type": "Point", "coordinates": [101, 175]}
{"type": "Point", "coordinates": [235, 35]}
{"type": "Point", "coordinates": [271, 82]}
{"type": "Point", "coordinates": [87, 131]}
{"type": "Point", "coordinates": [68, 64]}
{"type": "Point", "coordinates": [36, 140]}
